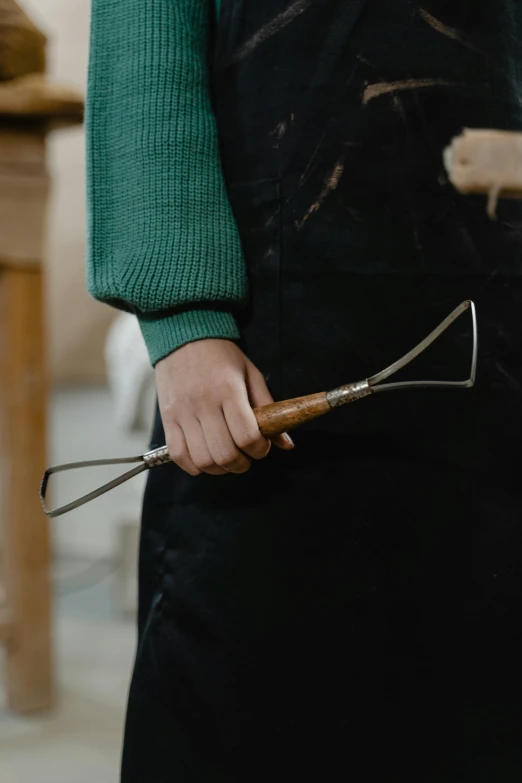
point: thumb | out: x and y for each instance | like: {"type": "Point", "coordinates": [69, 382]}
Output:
{"type": "Point", "coordinates": [259, 395]}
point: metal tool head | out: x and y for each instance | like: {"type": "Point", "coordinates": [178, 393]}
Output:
{"type": "Point", "coordinates": [356, 391]}
{"type": "Point", "coordinates": [145, 461]}
{"type": "Point", "coordinates": [375, 382]}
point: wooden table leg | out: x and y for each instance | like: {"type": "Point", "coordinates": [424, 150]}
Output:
{"type": "Point", "coordinates": [26, 548]}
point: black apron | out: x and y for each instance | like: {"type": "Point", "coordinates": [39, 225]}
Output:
{"type": "Point", "coordinates": [351, 610]}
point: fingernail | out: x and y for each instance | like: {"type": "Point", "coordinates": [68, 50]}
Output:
{"type": "Point", "coordinates": [288, 440]}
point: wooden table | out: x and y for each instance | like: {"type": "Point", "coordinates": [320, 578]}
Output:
{"type": "Point", "coordinates": [29, 109]}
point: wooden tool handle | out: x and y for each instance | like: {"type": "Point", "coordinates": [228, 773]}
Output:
{"type": "Point", "coordinates": [287, 415]}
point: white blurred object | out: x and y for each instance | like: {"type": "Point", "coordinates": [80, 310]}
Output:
{"type": "Point", "coordinates": [130, 375]}
{"type": "Point", "coordinates": [133, 390]}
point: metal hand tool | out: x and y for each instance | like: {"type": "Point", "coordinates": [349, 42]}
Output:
{"type": "Point", "coordinates": [287, 415]}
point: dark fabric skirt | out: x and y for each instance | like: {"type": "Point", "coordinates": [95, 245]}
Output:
{"type": "Point", "coordinates": [353, 607]}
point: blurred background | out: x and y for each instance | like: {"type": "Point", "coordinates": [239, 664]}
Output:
{"type": "Point", "coordinates": [74, 384]}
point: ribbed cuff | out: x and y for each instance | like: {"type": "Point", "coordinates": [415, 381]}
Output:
{"type": "Point", "coordinates": [167, 334]}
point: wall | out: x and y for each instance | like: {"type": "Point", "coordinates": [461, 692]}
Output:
{"type": "Point", "coordinates": [77, 324]}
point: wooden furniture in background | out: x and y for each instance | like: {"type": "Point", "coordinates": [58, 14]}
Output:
{"type": "Point", "coordinates": [25, 536]}
{"type": "Point", "coordinates": [30, 107]}
{"type": "Point", "coordinates": [22, 44]}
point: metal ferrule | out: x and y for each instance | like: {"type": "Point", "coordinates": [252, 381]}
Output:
{"type": "Point", "coordinates": [349, 393]}
{"type": "Point", "coordinates": [157, 457]}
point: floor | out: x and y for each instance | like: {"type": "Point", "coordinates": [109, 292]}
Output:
{"type": "Point", "coordinates": [80, 742]}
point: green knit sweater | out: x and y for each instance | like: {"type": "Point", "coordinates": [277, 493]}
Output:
{"type": "Point", "coordinates": [162, 239]}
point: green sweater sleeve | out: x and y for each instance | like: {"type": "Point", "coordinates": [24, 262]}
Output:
{"type": "Point", "coordinates": [162, 239]}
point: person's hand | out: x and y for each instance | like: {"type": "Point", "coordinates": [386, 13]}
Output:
{"type": "Point", "coordinates": [206, 392]}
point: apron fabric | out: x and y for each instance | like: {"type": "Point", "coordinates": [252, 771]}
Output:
{"type": "Point", "coordinates": [352, 609]}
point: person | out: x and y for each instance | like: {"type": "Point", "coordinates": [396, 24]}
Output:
{"type": "Point", "coordinates": [267, 194]}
